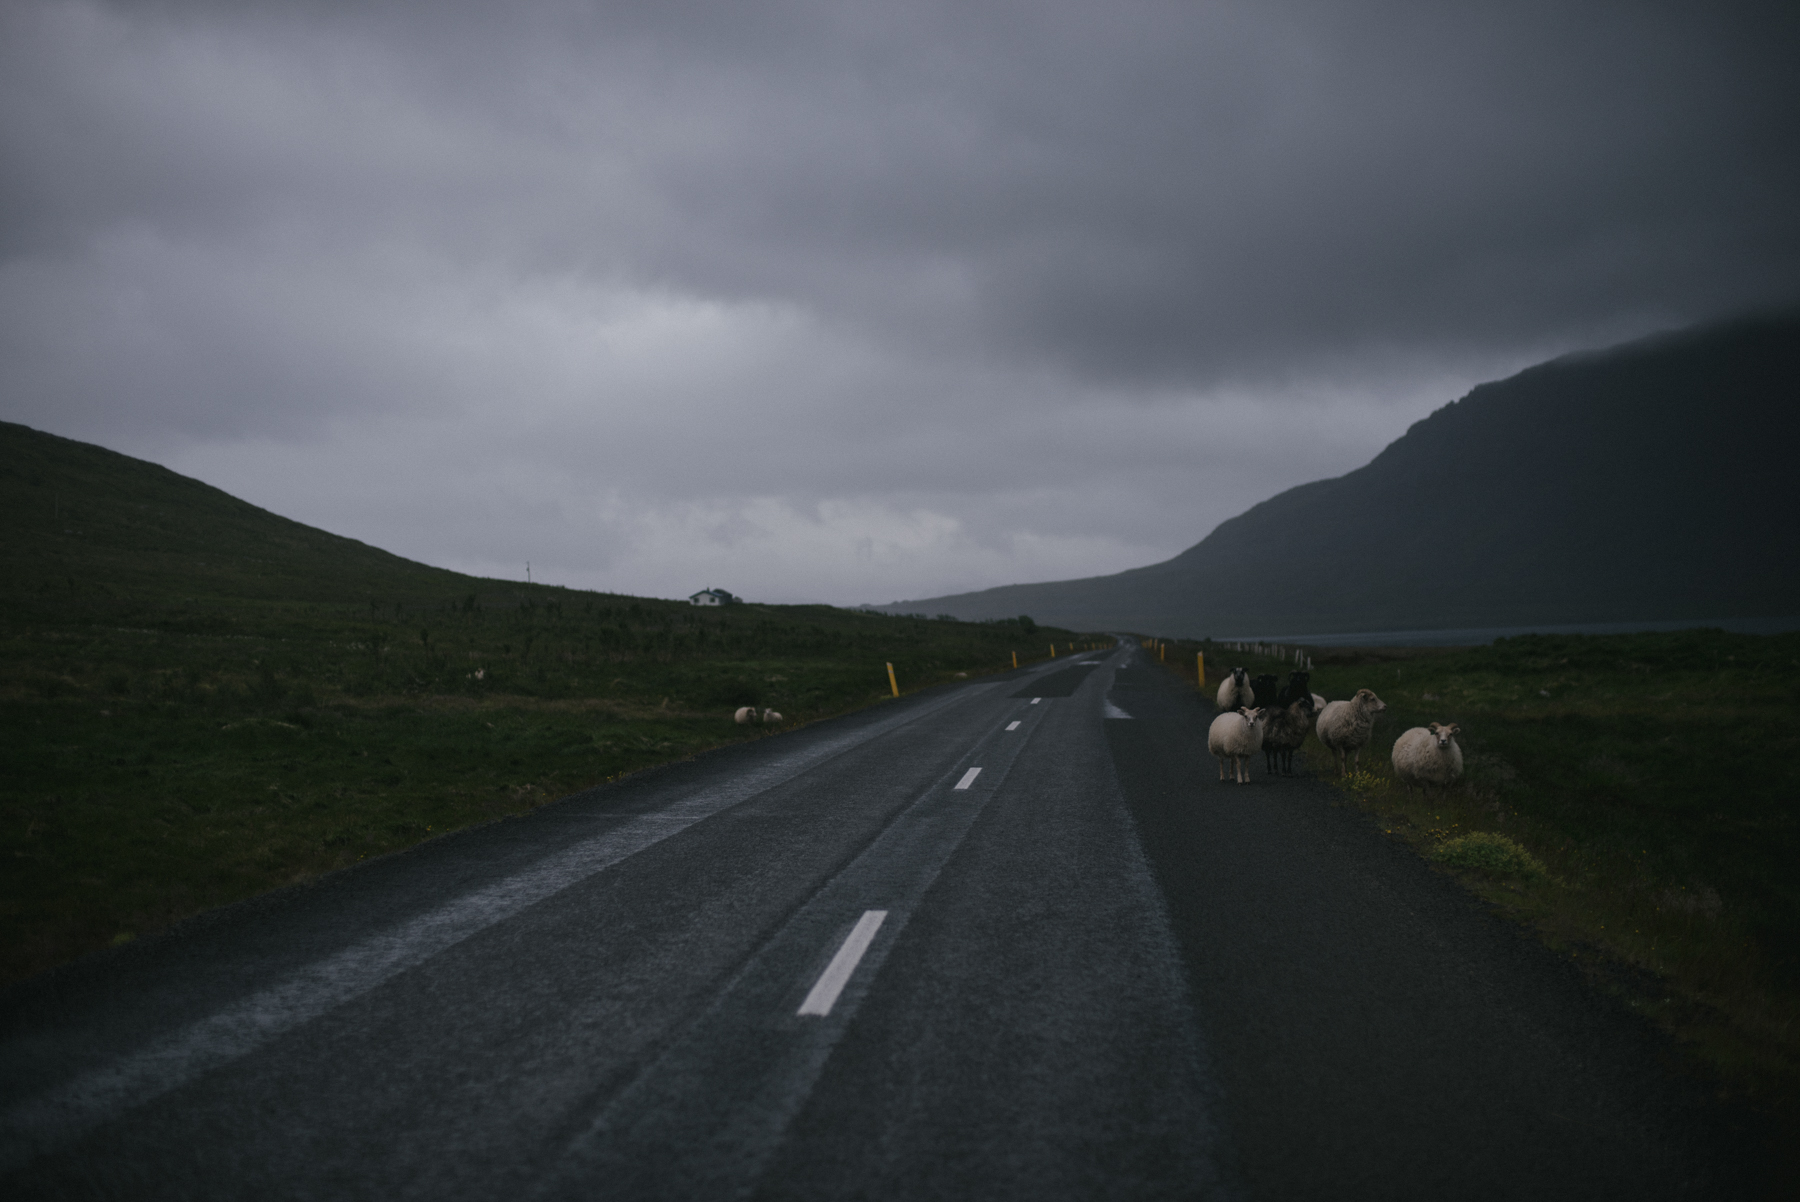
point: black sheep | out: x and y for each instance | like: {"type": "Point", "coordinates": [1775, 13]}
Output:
{"type": "Point", "coordinates": [1264, 687]}
{"type": "Point", "coordinates": [1299, 684]}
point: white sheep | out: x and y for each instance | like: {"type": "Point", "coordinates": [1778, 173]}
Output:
{"type": "Point", "coordinates": [771, 715]}
{"type": "Point", "coordinates": [1237, 736]}
{"type": "Point", "coordinates": [1428, 757]}
{"type": "Point", "coordinates": [1344, 726]}
{"type": "Point", "coordinates": [746, 715]}
{"type": "Point", "coordinates": [1235, 692]}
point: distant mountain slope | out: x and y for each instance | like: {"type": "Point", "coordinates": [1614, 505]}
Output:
{"type": "Point", "coordinates": [73, 515]}
{"type": "Point", "coordinates": [1656, 480]}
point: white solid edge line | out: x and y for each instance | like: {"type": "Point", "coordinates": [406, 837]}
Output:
{"type": "Point", "coordinates": [831, 982]}
{"type": "Point", "coordinates": [968, 778]}
{"type": "Point", "coordinates": [1012, 726]}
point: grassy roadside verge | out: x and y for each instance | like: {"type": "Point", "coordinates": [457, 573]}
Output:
{"type": "Point", "coordinates": [1654, 778]}
{"type": "Point", "coordinates": [165, 758]}
{"type": "Point", "coordinates": [203, 700]}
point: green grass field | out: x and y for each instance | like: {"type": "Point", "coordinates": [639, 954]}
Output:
{"type": "Point", "coordinates": [1655, 777]}
{"type": "Point", "coordinates": [203, 701]}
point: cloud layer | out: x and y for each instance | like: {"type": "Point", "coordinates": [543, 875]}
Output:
{"type": "Point", "coordinates": [847, 301]}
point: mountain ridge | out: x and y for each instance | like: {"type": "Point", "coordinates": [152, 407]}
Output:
{"type": "Point", "coordinates": [1641, 482]}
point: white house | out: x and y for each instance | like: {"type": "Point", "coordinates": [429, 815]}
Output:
{"type": "Point", "coordinates": [713, 596]}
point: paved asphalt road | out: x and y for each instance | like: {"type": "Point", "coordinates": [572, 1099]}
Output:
{"type": "Point", "coordinates": [1005, 940]}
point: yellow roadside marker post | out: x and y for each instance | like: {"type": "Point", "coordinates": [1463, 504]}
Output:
{"type": "Point", "coordinates": [892, 683]}
{"type": "Point", "coordinates": [1015, 659]}
{"type": "Point", "coordinates": [1200, 661]}
{"type": "Point", "coordinates": [1052, 650]}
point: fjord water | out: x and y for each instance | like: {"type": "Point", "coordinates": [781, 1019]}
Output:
{"type": "Point", "coordinates": [1481, 636]}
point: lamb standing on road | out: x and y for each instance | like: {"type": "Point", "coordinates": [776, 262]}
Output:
{"type": "Point", "coordinates": [1236, 736]}
{"type": "Point", "coordinates": [1287, 729]}
{"type": "Point", "coordinates": [1428, 757]}
{"type": "Point", "coordinates": [1234, 693]}
{"type": "Point", "coordinates": [1345, 726]}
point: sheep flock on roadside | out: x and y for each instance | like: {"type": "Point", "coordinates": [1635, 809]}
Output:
{"type": "Point", "coordinates": [1263, 714]}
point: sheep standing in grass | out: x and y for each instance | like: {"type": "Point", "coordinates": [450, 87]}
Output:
{"type": "Point", "coordinates": [746, 715]}
{"type": "Point", "coordinates": [771, 715]}
{"type": "Point", "coordinates": [1345, 726]}
{"type": "Point", "coordinates": [1234, 693]}
{"type": "Point", "coordinates": [1287, 728]}
{"type": "Point", "coordinates": [1236, 736]}
{"type": "Point", "coordinates": [1428, 757]}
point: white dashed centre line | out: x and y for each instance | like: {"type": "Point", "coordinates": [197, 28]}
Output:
{"type": "Point", "coordinates": [1035, 700]}
{"type": "Point", "coordinates": [831, 982]}
{"type": "Point", "coordinates": [1012, 726]}
{"type": "Point", "coordinates": [968, 778]}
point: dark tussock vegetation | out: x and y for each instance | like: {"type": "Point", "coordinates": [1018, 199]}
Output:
{"type": "Point", "coordinates": [1654, 778]}
{"type": "Point", "coordinates": [203, 701]}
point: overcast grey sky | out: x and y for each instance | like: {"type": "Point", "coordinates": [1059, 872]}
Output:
{"type": "Point", "coordinates": [848, 302]}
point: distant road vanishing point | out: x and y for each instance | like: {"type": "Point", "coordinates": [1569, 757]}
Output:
{"type": "Point", "coordinates": [1008, 939]}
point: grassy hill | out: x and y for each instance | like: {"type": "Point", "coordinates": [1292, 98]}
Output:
{"type": "Point", "coordinates": [81, 520]}
{"type": "Point", "coordinates": [205, 700]}
{"type": "Point", "coordinates": [1647, 482]}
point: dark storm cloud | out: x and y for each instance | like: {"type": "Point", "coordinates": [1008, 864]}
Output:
{"type": "Point", "coordinates": [836, 257]}
{"type": "Point", "coordinates": [1191, 192]}
{"type": "Point", "coordinates": [1180, 191]}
